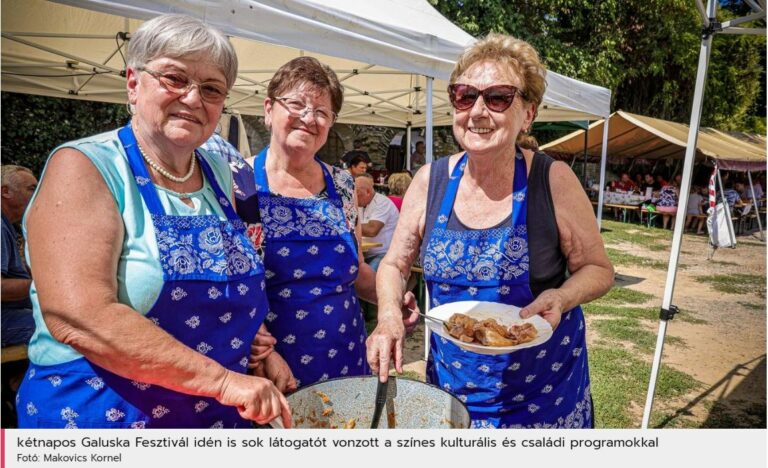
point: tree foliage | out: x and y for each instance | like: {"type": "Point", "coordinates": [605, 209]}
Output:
{"type": "Point", "coordinates": [32, 126]}
{"type": "Point", "coordinates": [645, 51]}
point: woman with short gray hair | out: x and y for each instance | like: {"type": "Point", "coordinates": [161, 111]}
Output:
{"type": "Point", "coordinates": [149, 295]}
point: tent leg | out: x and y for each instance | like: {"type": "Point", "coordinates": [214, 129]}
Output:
{"type": "Point", "coordinates": [408, 146]}
{"type": "Point", "coordinates": [756, 206]}
{"type": "Point", "coordinates": [584, 169]}
{"type": "Point", "coordinates": [429, 137]}
{"type": "Point", "coordinates": [677, 238]}
{"type": "Point", "coordinates": [426, 328]}
{"type": "Point", "coordinates": [603, 159]}
{"type": "Point", "coordinates": [728, 214]}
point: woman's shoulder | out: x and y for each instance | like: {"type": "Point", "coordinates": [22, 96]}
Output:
{"type": "Point", "coordinates": [342, 179]}
{"type": "Point", "coordinates": [103, 145]}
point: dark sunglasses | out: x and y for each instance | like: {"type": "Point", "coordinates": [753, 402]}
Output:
{"type": "Point", "coordinates": [496, 98]}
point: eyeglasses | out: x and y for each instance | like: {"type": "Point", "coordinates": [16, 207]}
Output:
{"type": "Point", "coordinates": [496, 98]}
{"type": "Point", "coordinates": [299, 109]}
{"type": "Point", "coordinates": [178, 83]}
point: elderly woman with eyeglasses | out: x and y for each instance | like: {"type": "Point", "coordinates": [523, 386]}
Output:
{"type": "Point", "coordinates": [496, 223]}
{"type": "Point", "coordinates": [147, 294]}
{"type": "Point", "coordinates": [303, 214]}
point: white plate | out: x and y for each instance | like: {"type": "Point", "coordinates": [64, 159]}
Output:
{"type": "Point", "coordinates": [503, 313]}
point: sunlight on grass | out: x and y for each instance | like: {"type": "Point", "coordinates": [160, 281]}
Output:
{"type": "Point", "coordinates": [751, 306]}
{"type": "Point", "coordinates": [619, 378]}
{"type": "Point", "coordinates": [630, 330]}
{"type": "Point", "coordinates": [619, 258]}
{"type": "Point", "coordinates": [736, 283]}
{"type": "Point", "coordinates": [621, 295]}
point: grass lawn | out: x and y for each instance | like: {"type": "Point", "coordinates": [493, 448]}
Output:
{"type": "Point", "coordinates": [619, 258]}
{"type": "Point", "coordinates": [736, 283]}
{"type": "Point", "coordinates": [620, 362]}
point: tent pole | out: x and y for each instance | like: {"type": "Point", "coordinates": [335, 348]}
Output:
{"type": "Point", "coordinates": [584, 170]}
{"type": "Point", "coordinates": [428, 143]}
{"type": "Point", "coordinates": [603, 159]}
{"type": "Point", "coordinates": [408, 146]}
{"type": "Point", "coordinates": [755, 206]}
{"type": "Point", "coordinates": [667, 309]}
{"type": "Point", "coordinates": [430, 119]}
{"type": "Point", "coordinates": [728, 213]}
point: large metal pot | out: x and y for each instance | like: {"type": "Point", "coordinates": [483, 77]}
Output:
{"type": "Point", "coordinates": [349, 401]}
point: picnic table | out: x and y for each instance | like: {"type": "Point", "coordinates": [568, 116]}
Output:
{"type": "Point", "coordinates": [625, 209]}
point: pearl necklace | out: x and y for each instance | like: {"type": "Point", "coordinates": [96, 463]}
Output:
{"type": "Point", "coordinates": [165, 173]}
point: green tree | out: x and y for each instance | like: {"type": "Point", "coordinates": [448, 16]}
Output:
{"type": "Point", "coordinates": [32, 126]}
{"type": "Point", "coordinates": [644, 51]}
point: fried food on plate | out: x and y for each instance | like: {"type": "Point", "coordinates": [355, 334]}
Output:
{"type": "Point", "coordinates": [489, 332]}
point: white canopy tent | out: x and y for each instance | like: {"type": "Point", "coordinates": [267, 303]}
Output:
{"type": "Point", "coordinates": [393, 56]}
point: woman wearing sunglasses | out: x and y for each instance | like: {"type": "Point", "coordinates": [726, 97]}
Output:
{"type": "Point", "coordinates": [495, 223]}
{"type": "Point", "coordinates": [147, 293]}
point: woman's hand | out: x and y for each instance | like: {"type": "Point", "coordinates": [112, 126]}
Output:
{"type": "Point", "coordinates": [410, 312]}
{"type": "Point", "coordinates": [262, 346]}
{"type": "Point", "coordinates": [255, 398]}
{"type": "Point", "coordinates": [384, 344]}
{"type": "Point", "coordinates": [549, 305]}
{"type": "Point", "coordinates": [277, 370]}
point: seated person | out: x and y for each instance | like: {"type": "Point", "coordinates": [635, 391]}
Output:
{"type": "Point", "coordinates": [625, 183]}
{"type": "Point", "coordinates": [418, 158]}
{"type": "Point", "coordinates": [358, 165]}
{"type": "Point", "coordinates": [18, 324]}
{"type": "Point", "coordinates": [398, 184]}
{"type": "Point", "coordinates": [650, 182]}
{"type": "Point", "coordinates": [667, 204]}
{"type": "Point", "coordinates": [746, 194]}
{"type": "Point", "coordinates": [697, 205]}
{"type": "Point", "coordinates": [378, 218]}
{"type": "Point", "coordinates": [731, 195]}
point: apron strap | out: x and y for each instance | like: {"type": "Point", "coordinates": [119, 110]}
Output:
{"type": "Point", "coordinates": [519, 189]}
{"type": "Point", "coordinates": [140, 173]}
{"type": "Point", "coordinates": [262, 182]}
{"type": "Point", "coordinates": [147, 187]}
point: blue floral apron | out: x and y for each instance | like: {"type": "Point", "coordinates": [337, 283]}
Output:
{"type": "Point", "coordinates": [311, 262]}
{"type": "Point", "coordinates": [546, 386]}
{"type": "Point", "coordinates": [212, 300]}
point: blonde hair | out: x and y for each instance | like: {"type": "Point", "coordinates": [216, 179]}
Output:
{"type": "Point", "coordinates": [515, 53]}
{"type": "Point", "coordinates": [398, 183]}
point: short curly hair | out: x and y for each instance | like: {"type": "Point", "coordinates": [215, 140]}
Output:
{"type": "Point", "coordinates": [398, 183]}
{"type": "Point", "coordinates": [519, 55]}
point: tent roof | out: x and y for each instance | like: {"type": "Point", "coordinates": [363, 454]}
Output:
{"type": "Point", "coordinates": [637, 136]}
{"type": "Point", "coordinates": [381, 51]}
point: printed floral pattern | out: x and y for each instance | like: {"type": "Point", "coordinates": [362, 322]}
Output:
{"type": "Point", "coordinates": [192, 246]}
{"type": "Point", "coordinates": [477, 256]}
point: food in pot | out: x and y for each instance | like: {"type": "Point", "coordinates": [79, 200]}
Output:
{"type": "Point", "coordinates": [323, 397]}
{"type": "Point", "coordinates": [489, 332]}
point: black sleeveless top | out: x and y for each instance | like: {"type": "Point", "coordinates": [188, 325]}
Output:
{"type": "Point", "coordinates": [548, 264]}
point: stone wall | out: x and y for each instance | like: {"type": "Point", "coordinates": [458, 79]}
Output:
{"type": "Point", "coordinates": [376, 140]}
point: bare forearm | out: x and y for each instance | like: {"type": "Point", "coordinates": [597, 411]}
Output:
{"type": "Point", "coordinates": [371, 229]}
{"type": "Point", "coordinates": [390, 284]}
{"type": "Point", "coordinates": [126, 343]}
{"type": "Point", "coordinates": [14, 289]}
{"type": "Point", "coordinates": [587, 284]}
{"type": "Point", "coordinates": [365, 285]}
